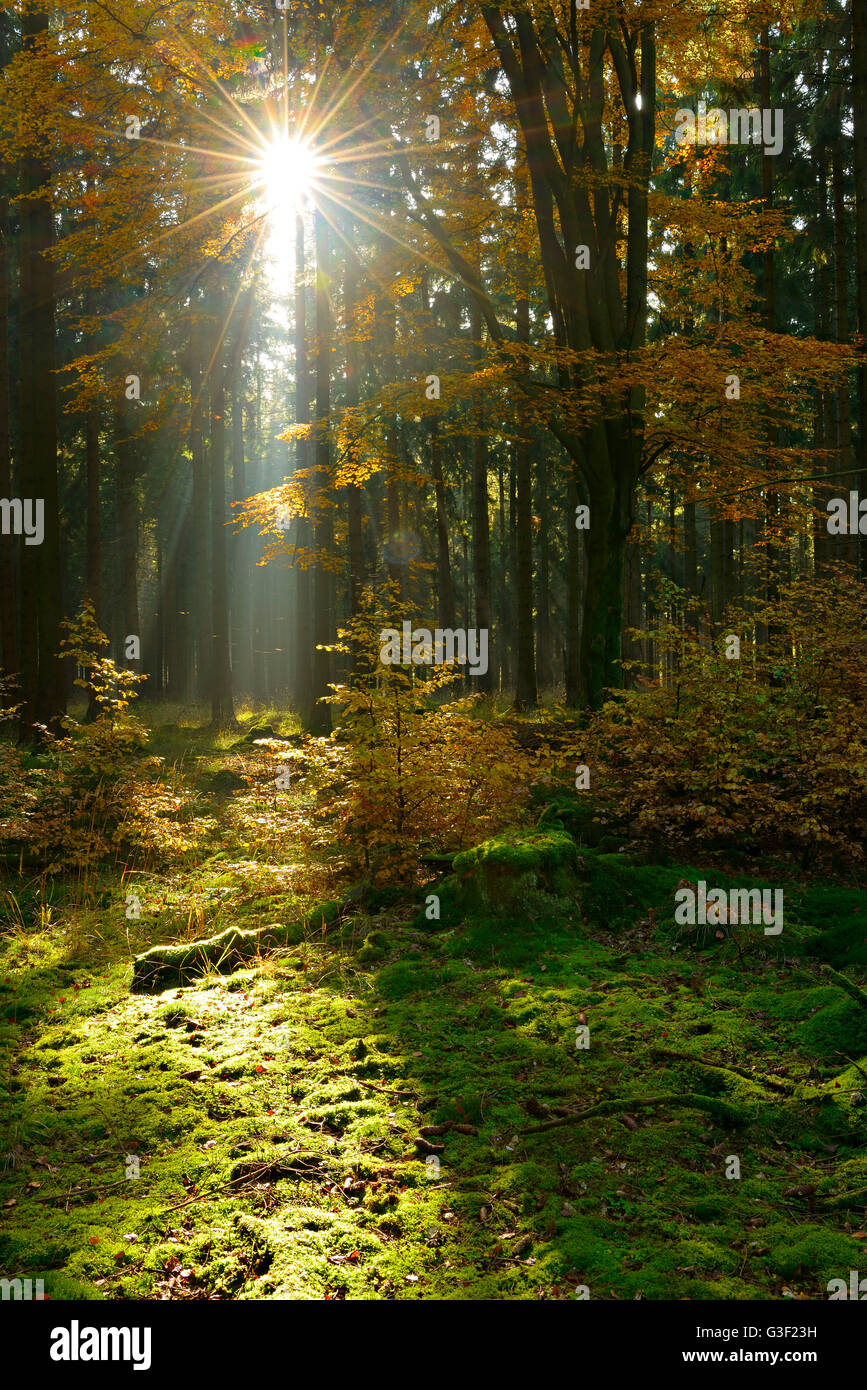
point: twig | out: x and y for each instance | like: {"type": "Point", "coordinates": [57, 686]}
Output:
{"type": "Point", "coordinates": [394, 1095]}
{"type": "Point", "coordinates": [79, 1192]}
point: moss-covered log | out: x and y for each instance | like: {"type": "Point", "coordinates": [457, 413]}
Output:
{"type": "Point", "coordinates": [164, 966]}
{"type": "Point", "coordinates": [845, 983]}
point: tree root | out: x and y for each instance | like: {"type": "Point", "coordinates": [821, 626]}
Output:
{"type": "Point", "coordinates": [720, 1110]}
{"type": "Point", "coordinates": [164, 966]}
{"type": "Point", "coordinates": [773, 1083]}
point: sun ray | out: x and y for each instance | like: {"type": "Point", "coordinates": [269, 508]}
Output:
{"type": "Point", "coordinates": [385, 230]}
{"type": "Point", "coordinates": [340, 100]}
{"type": "Point", "coordinates": [215, 81]}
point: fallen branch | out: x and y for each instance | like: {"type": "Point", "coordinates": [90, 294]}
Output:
{"type": "Point", "coordinates": [719, 1109]}
{"type": "Point", "coordinates": [79, 1192]}
{"type": "Point", "coordinates": [384, 1091]}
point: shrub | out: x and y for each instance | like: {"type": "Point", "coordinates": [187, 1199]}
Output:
{"type": "Point", "coordinates": [403, 772]}
{"type": "Point", "coordinates": [763, 754]}
{"type": "Point", "coordinates": [94, 790]}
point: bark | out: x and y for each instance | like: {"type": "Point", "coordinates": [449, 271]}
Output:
{"type": "Point", "coordinates": [354, 493]}
{"type": "Point", "coordinates": [303, 536]}
{"type": "Point", "coordinates": [9, 545]}
{"type": "Point", "coordinates": [845, 449]}
{"type": "Point", "coordinates": [588, 306]}
{"type": "Point", "coordinates": [505, 623]}
{"type": "Point", "coordinates": [525, 686]}
{"type": "Point", "coordinates": [859, 110]}
{"type": "Point", "coordinates": [544, 646]}
{"type": "Point", "coordinates": [42, 685]}
{"type": "Point", "coordinates": [445, 594]}
{"type": "Point", "coordinates": [480, 510]}
{"type": "Point", "coordinates": [323, 533]}
{"type": "Point", "coordinates": [222, 710]}
{"type": "Point", "coordinates": [127, 517]}
{"type": "Point", "coordinates": [200, 533]}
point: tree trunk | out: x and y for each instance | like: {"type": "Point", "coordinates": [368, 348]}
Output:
{"type": "Point", "coordinates": [525, 685]}
{"type": "Point", "coordinates": [323, 525]}
{"type": "Point", "coordinates": [222, 710]}
{"type": "Point", "coordinates": [354, 492]}
{"type": "Point", "coordinates": [445, 594]}
{"type": "Point", "coordinates": [8, 544]}
{"type": "Point", "coordinates": [481, 518]}
{"type": "Point", "coordinates": [43, 684]}
{"type": "Point", "coordinates": [859, 110]}
{"type": "Point", "coordinates": [200, 532]}
{"type": "Point", "coordinates": [544, 646]}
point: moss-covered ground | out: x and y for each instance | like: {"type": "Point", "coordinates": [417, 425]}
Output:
{"type": "Point", "coordinates": [348, 1116]}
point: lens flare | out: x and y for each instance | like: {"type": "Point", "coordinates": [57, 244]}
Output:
{"type": "Point", "coordinates": [287, 173]}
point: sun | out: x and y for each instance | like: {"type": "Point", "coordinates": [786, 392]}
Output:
{"type": "Point", "coordinates": [287, 174]}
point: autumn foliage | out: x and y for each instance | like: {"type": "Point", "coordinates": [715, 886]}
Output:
{"type": "Point", "coordinates": [761, 755]}
{"type": "Point", "coordinates": [405, 771]}
{"type": "Point", "coordinates": [92, 793]}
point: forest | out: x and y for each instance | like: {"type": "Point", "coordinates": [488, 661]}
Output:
{"type": "Point", "coordinates": [433, 563]}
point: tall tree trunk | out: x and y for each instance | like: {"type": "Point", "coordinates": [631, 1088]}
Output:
{"type": "Point", "coordinates": [841, 316]}
{"type": "Point", "coordinates": [43, 684]}
{"type": "Point", "coordinates": [8, 544]}
{"type": "Point", "coordinates": [503, 614]}
{"type": "Point", "coordinates": [93, 543]}
{"type": "Point", "coordinates": [481, 517]}
{"type": "Point", "coordinates": [303, 686]}
{"type": "Point", "coordinates": [769, 305]}
{"type": "Point", "coordinates": [544, 645]}
{"type": "Point", "coordinates": [222, 711]}
{"type": "Point", "coordinates": [323, 527]}
{"type": "Point", "coordinates": [859, 110]}
{"type": "Point", "coordinates": [525, 685]}
{"type": "Point", "coordinates": [127, 521]}
{"type": "Point", "coordinates": [355, 491]}
{"type": "Point", "coordinates": [200, 533]}
{"type": "Point", "coordinates": [445, 594]}
{"type": "Point", "coordinates": [574, 668]}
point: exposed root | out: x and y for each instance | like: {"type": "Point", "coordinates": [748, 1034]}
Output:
{"type": "Point", "coordinates": [720, 1110]}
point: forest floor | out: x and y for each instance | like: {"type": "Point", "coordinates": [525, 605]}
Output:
{"type": "Point", "coordinates": [272, 1114]}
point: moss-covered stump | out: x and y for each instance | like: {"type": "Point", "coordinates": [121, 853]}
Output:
{"type": "Point", "coordinates": [514, 873]}
{"type": "Point", "coordinates": [165, 966]}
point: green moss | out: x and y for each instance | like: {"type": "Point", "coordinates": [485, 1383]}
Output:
{"type": "Point", "coordinates": [838, 1031]}
{"type": "Point", "coordinates": [375, 948]}
{"type": "Point", "coordinates": [275, 1111]}
{"type": "Point", "coordinates": [493, 876]}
